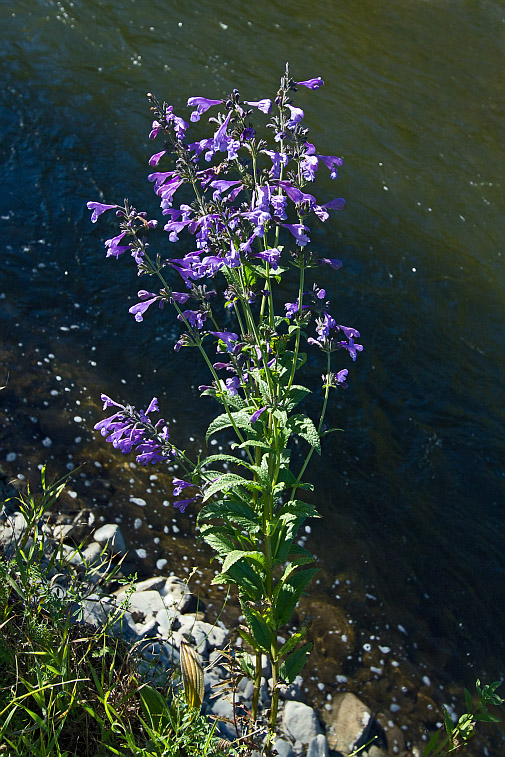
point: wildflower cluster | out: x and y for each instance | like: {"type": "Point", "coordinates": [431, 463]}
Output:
{"type": "Point", "coordinates": [243, 202]}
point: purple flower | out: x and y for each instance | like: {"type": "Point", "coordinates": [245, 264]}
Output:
{"type": "Point", "coordinates": [202, 105]}
{"type": "Point", "coordinates": [330, 161]}
{"type": "Point", "coordinates": [195, 318]}
{"type": "Point", "coordinates": [182, 504]}
{"type": "Point", "coordinates": [180, 297]}
{"type": "Point", "coordinates": [264, 105]}
{"type": "Point", "coordinates": [228, 337]}
{"type": "Point", "coordinates": [233, 385]}
{"type": "Point", "coordinates": [341, 376]}
{"type": "Point", "coordinates": [107, 402]}
{"type": "Point", "coordinates": [98, 208]}
{"type": "Point", "coordinates": [254, 417]}
{"type": "Point", "coordinates": [153, 406]}
{"type": "Point", "coordinates": [311, 83]}
{"type": "Point", "coordinates": [220, 140]}
{"type": "Point", "coordinates": [155, 159]}
{"type": "Point", "coordinates": [147, 299]}
{"type": "Point", "coordinates": [349, 332]}
{"type": "Point", "coordinates": [292, 308]}
{"type": "Point", "coordinates": [279, 159]}
{"type": "Point", "coordinates": [332, 262]}
{"type": "Point", "coordinates": [324, 325]}
{"type": "Point", "coordinates": [160, 177]}
{"type": "Point", "coordinates": [155, 129]}
{"type": "Point", "coordinates": [179, 485]}
{"type": "Point", "coordinates": [247, 134]}
{"type": "Point", "coordinates": [297, 230]}
{"type": "Point", "coordinates": [296, 195]}
{"type": "Point", "coordinates": [322, 210]}
{"type": "Point", "coordinates": [352, 348]}
{"type": "Point", "coordinates": [222, 185]}
{"type": "Point", "coordinates": [271, 256]}
{"type": "Point", "coordinates": [279, 203]}
{"type": "Point", "coordinates": [309, 166]}
{"type": "Point", "coordinates": [296, 116]}
{"type": "Point", "coordinates": [114, 248]}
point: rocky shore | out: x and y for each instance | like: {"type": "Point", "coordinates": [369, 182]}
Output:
{"type": "Point", "coordinates": [156, 614]}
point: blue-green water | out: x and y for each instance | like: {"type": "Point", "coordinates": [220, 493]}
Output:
{"type": "Point", "coordinates": [412, 492]}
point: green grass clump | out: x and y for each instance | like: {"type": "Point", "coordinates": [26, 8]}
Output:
{"type": "Point", "coordinates": [68, 688]}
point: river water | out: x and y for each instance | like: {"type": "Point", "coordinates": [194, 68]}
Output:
{"type": "Point", "coordinates": [411, 544]}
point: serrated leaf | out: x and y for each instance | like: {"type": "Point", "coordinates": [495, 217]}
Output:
{"type": "Point", "coordinates": [217, 539]}
{"type": "Point", "coordinates": [221, 458]}
{"type": "Point", "coordinates": [224, 482]}
{"type": "Point", "coordinates": [303, 426]}
{"type": "Point", "coordinates": [293, 664]}
{"type": "Point", "coordinates": [240, 419]}
{"type": "Point", "coordinates": [238, 554]}
{"type": "Point", "coordinates": [292, 641]}
{"type": "Point", "coordinates": [295, 395]}
{"type": "Point", "coordinates": [256, 443]}
{"type": "Point", "coordinates": [287, 595]}
{"type": "Point", "coordinates": [258, 627]}
{"type": "Point", "coordinates": [238, 513]}
{"type": "Point", "coordinates": [298, 509]}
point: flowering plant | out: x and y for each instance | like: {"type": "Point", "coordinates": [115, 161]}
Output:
{"type": "Point", "coordinates": [247, 215]}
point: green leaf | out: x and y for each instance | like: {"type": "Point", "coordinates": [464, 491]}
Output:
{"type": "Point", "coordinates": [224, 482]}
{"type": "Point", "coordinates": [217, 538]}
{"type": "Point", "coordinates": [330, 431]}
{"type": "Point", "coordinates": [295, 395]}
{"type": "Point", "coordinates": [297, 509]}
{"type": "Point", "coordinates": [238, 554]}
{"type": "Point", "coordinates": [486, 717]}
{"type": "Point", "coordinates": [154, 706]}
{"type": "Point", "coordinates": [304, 427]}
{"type": "Point", "coordinates": [292, 641]}
{"type": "Point", "coordinates": [240, 418]}
{"type": "Point", "coordinates": [449, 725]}
{"type": "Point", "coordinates": [258, 627]}
{"type": "Point", "coordinates": [293, 664]}
{"type": "Point", "coordinates": [221, 458]}
{"type": "Point", "coordinates": [286, 595]}
{"type": "Point", "coordinates": [468, 700]}
{"type": "Point", "coordinates": [235, 512]}
{"type": "Point", "coordinates": [256, 443]}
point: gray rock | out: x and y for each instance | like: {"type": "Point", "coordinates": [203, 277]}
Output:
{"type": "Point", "coordinates": [156, 583]}
{"type": "Point", "coordinates": [177, 594]}
{"type": "Point", "coordinates": [165, 619]}
{"type": "Point", "coordinates": [246, 689]}
{"type": "Point", "coordinates": [92, 555]}
{"type": "Point", "coordinates": [223, 708]}
{"type": "Point", "coordinates": [156, 661]}
{"type": "Point", "coordinates": [299, 722]}
{"type": "Point", "coordinates": [318, 747]}
{"type": "Point", "coordinates": [284, 748]}
{"type": "Point", "coordinates": [196, 631]}
{"type": "Point", "coordinates": [148, 629]}
{"type": "Point", "coordinates": [146, 602]}
{"type": "Point", "coordinates": [217, 638]}
{"type": "Point", "coordinates": [374, 751]}
{"type": "Point", "coordinates": [111, 535]}
{"type": "Point", "coordinates": [292, 691]}
{"type": "Point", "coordinates": [348, 723]}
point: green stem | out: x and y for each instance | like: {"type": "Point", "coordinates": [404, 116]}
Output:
{"type": "Point", "coordinates": [320, 425]}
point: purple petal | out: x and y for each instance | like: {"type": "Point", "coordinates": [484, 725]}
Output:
{"type": "Point", "coordinates": [98, 208]}
{"type": "Point", "coordinates": [311, 83]}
